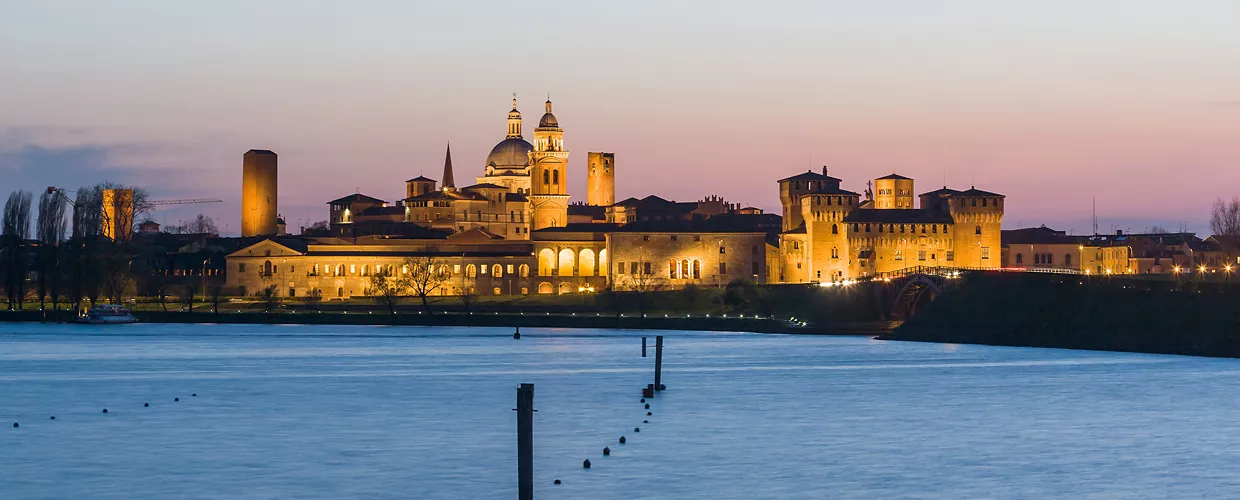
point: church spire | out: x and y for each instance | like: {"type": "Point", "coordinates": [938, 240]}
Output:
{"type": "Point", "coordinates": [514, 120]}
{"type": "Point", "coordinates": [448, 183]}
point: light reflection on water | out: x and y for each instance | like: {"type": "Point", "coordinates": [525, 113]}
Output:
{"type": "Point", "coordinates": [394, 412]}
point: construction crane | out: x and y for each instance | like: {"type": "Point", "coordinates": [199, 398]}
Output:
{"type": "Point", "coordinates": [123, 199]}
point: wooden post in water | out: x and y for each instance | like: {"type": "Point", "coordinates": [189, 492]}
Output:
{"type": "Point", "coordinates": [643, 347]}
{"type": "Point", "coordinates": [658, 363]}
{"type": "Point", "coordinates": [525, 442]}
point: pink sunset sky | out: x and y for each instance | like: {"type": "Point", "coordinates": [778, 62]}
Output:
{"type": "Point", "coordinates": [1133, 103]}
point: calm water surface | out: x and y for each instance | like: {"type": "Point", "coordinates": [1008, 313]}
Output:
{"type": "Point", "coordinates": [384, 412]}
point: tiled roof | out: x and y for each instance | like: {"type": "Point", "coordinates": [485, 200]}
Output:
{"type": "Point", "coordinates": [353, 198]}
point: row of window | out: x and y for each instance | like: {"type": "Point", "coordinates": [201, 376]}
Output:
{"type": "Point", "coordinates": [471, 270]}
{"type": "Point", "coordinates": [1044, 259]}
{"type": "Point", "coordinates": [685, 269]}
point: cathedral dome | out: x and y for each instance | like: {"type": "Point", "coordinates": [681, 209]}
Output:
{"type": "Point", "coordinates": [510, 153]}
{"type": "Point", "coordinates": [548, 121]}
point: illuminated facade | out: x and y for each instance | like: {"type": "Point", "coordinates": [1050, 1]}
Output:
{"type": "Point", "coordinates": [258, 193]}
{"type": "Point", "coordinates": [831, 234]}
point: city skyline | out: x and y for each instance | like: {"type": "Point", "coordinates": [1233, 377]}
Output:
{"type": "Point", "coordinates": [1053, 110]}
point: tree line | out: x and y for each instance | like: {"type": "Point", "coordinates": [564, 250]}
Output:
{"type": "Point", "coordinates": [69, 260]}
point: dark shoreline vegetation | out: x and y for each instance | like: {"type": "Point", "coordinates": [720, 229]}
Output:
{"type": "Point", "coordinates": [1078, 312]}
{"type": "Point", "coordinates": [740, 308]}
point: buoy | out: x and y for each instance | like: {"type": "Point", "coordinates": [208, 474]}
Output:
{"type": "Point", "coordinates": [516, 336]}
{"type": "Point", "coordinates": [662, 387]}
{"type": "Point", "coordinates": [637, 429]}
{"type": "Point", "coordinates": [647, 406]}
{"type": "Point", "coordinates": [645, 421]}
{"type": "Point", "coordinates": [586, 464]}
{"type": "Point", "coordinates": [53, 417]}
{"type": "Point", "coordinates": [146, 405]}
{"type": "Point", "coordinates": [621, 439]}
{"type": "Point", "coordinates": [557, 481]}
{"type": "Point", "coordinates": [648, 414]}
{"type": "Point", "coordinates": [194, 394]}
{"type": "Point", "coordinates": [15, 424]}
{"type": "Point", "coordinates": [176, 399]}
{"type": "Point", "coordinates": [643, 400]}
{"type": "Point", "coordinates": [105, 410]}
{"type": "Point", "coordinates": [606, 451]}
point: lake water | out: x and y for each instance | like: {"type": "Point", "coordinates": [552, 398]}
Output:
{"type": "Point", "coordinates": [386, 412]}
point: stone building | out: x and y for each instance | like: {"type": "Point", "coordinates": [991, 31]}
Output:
{"type": "Point", "coordinates": [649, 255]}
{"type": "Point", "coordinates": [831, 234]}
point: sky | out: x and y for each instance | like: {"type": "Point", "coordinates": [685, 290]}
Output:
{"type": "Point", "coordinates": [1129, 105]}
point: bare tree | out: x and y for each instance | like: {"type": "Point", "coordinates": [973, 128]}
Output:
{"type": "Point", "coordinates": [188, 291]}
{"type": "Point", "coordinates": [268, 298]}
{"type": "Point", "coordinates": [200, 225]}
{"type": "Point", "coordinates": [50, 230]}
{"type": "Point", "coordinates": [215, 294]}
{"type": "Point", "coordinates": [386, 287]}
{"type": "Point", "coordinates": [16, 229]}
{"type": "Point", "coordinates": [1225, 224]}
{"type": "Point", "coordinates": [644, 283]}
{"type": "Point", "coordinates": [425, 275]}
{"type": "Point", "coordinates": [115, 261]}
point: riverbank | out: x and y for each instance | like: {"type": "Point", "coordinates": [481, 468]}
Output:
{"type": "Point", "coordinates": [597, 320]}
{"type": "Point", "coordinates": [1075, 312]}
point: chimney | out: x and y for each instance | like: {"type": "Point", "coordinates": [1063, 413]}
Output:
{"type": "Point", "coordinates": [824, 170]}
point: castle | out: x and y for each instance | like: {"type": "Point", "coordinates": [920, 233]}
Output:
{"type": "Point", "coordinates": [831, 234]}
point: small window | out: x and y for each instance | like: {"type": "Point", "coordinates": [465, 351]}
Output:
{"type": "Point", "coordinates": [985, 253]}
{"type": "Point", "coordinates": [835, 229]}
{"type": "Point", "coordinates": [632, 268]}
{"type": "Point", "coordinates": [723, 268]}
{"type": "Point", "coordinates": [645, 238]}
{"type": "Point", "coordinates": [899, 255]}
{"type": "Point", "coordinates": [292, 292]}
{"type": "Point", "coordinates": [646, 268]}
{"type": "Point", "coordinates": [673, 237]}
{"type": "Point", "coordinates": [241, 268]}
{"type": "Point", "coordinates": [921, 255]}
{"type": "Point", "coordinates": [977, 230]}
{"type": "Point", "coordinates": [722, 251]}
{"type": "Point", "coordinates": [951, 255]}
{"type": "Point", "coordinates": [620, 267]}
{"type": "Point", "coordinates": [1020, 259]}
{"type": "Point", "coordinates": [697, 237]}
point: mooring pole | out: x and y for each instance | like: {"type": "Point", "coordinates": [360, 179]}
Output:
{"type": "Point", "coordinates": [658, 362]}
{"type": "Point", "coordinates": [525, 442]}
{"type": "Point", "coordinates": [643, 347]}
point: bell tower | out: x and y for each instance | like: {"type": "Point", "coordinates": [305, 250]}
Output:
{"type": "Point", "coordinates": [601, 179]}
{"type": "Point", "coordinates": [549, 180]}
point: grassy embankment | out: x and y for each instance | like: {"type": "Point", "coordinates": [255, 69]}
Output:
{"type": "Point", "coordinates": [740, 308]}
{"type": "Point", "coordinates": [1074, 312]}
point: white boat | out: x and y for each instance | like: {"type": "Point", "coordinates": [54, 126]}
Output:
{"type": "Point", "coordinates": [107, 314]}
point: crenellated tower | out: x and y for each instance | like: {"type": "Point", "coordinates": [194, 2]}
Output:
{"type": "Point", "coordinates": [978, 217]}
{"type": "Point", "coordinates": [828, 249]}
{"type": "Point", "coordinates": [549, 180]}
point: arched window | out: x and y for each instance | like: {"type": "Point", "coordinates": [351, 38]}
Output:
{"type": "Point", "coordinates": [835, 253]}
{"type": "Point", "coordinates": [471, 271]}
{"type": "Point", "coordinates": [566, 262]}
{"type": "Point", "coordinates": [602, 262]}
{"type": "Point", "coordinates": [555, 176]}
{"type": "Point", "coordinates": [496, 291]}
{"type": "Point", "coordinates": [545, 288]}
{"type": "Point", "coordinates": [835, 229]}
{"type": "Point", "coordinates": [1067, 259]}
{"type": "Point", "coordinates": [497, 271]}
{"type": "Point", "coordinates": [672, 266]}
{"type": "Point", "coordinates": [1020, 259]}
{"type": "Point", "coordinates": [365, 269]}
{"type": "Point", "coordinates": [977, 229]}
{"type": "Point", "coordinates": [697, 269]}
{"type": "Point", "coordinates": [267, 268]}
{"type": "Point", "coordinates": [546, 262]}
{"type": "Point", "coordinates": [585, 260]}
{"type": "Point", "coordinates": [340, 292]}
{"type": "Point", "coordinates": [546, 177]}
{"type": "Point", "coordinates": [339, 269]}
{"type": "Point", "coordinates": [1049, 259]}
{"type": "Point", "coordinates": [525, 271]}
